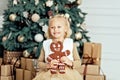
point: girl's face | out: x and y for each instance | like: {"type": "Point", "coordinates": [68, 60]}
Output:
{"type": "Point", "coordinates": [57, 28]}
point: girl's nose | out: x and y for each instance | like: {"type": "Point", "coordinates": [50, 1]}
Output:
{"type": "Point", "coordinates": [55, 28]}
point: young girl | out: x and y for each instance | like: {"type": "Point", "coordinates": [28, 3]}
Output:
{"type": "Point", "coordinates": [59, 30]}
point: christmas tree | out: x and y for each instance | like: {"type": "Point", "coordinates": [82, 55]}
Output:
{"type": "Point", "coordinates": [26, 22]}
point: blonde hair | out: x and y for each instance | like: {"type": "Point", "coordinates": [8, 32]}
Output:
{"type": "Point", "coordinates": [67, 25]}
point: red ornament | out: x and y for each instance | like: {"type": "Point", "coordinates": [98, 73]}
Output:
{"type": "Point", "coordinates": [50, 13]}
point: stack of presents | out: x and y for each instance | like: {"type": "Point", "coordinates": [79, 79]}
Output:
{"type": "Point", "coordinates": [91, 62]}
{"type": "Point", "coordinates": [16, 67]}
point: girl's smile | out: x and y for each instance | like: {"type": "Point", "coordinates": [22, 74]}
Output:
{"type": "Point", "coordinates": [55, 33]}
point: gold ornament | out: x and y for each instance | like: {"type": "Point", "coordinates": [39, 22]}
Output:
{"type": "Point", "coordinates": [78, 36]}
{"type": "Point", "coordinates": [4, 38]}
{"type": "Point", "coordinates": [35, 17]}
{"type": "Point", "coordinates": [79, 2]}
{"type": "Point", "coordinates": [12, 17]}
{"type": "Point", "coordinates": [35, 49]}
{"type": "Point", "coordinates": [21, 38]}
{"type": "Point", "coordinates": [26, 53]}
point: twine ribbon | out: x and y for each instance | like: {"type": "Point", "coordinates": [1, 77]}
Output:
{"type": "Point", "coordinates": [90, 60]}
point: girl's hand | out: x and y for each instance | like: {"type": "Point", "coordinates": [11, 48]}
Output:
{"type": "Point", "coordinates": [53, 64]}
{"type": "Point", "coordinates": [66, 60]}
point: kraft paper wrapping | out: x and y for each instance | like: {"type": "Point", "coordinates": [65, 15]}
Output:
{"type": "Point", "coordinates": [19, 74]}
{"type": "Point", "coordinates": [23, 63]}
{"type": "Point", "coordinates": [6, 70]}
{"type": "Point", "coordinates": [90, 69]}
{"type": "Point", "coordinates": [95, 77]}
{"type": "Point", "coordinates": [7, 78]}
{"type": "Point", "coordinates": [91, 53]}
{"type": "Point", "coordinates": [27, 75]}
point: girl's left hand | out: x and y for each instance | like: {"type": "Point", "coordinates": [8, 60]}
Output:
{"type": "Point", "coordinates": [66, 60]}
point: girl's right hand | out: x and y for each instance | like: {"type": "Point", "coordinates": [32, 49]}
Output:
{"type": "Point", "coordinates": [53, 63]}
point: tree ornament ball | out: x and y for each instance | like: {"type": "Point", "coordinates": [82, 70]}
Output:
{"type": "Point", "coordinates": [26, 53]}
{"type": "Point", "coordinates": [12, 17]}
{"type": "Point", "coordinates": [67, 15]}
{"type": "Point", "coordinates": [21, 38]}
{"type": "Point", "coordinates": [38, 37]}
{"type": "Point", "coordinates": [77, 43]}
{"type": "Point", "coordinates": [71, 1]}
{"type": "Point", "coordinates": [4, 38]}
{"type": "Point", "coordinates": [56, 7]}
{"type": "Point", "coordinates": [79, 2]}
{"type": "Point", "coordinates": [35, 17]}
{"type": "Point", "coordinates": [25, 14]}
{"type": "Point", "coordinates": [49, 3]}
{"type": "Point", "coordinates": [50, 13]}
{"type": "Point", "coordinates": [78, 36]}
{"type": "Point", "coordinates": [35, 49]}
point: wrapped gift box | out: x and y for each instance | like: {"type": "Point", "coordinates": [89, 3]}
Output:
{"type": "Point", "coordinates": [29, 64]}
{"type": "Point", "coordinates": [8, 55]}
{"type": "Point", "coordinates": [6, 70]}
{"type": "Point", "coordinates": [23, 63]}
{"type": "Point", "coordinates": [7, 78]}
{"type": "Point", "coordinates": [27, 75]}
{"type": "Point", "coordinates": [90, 69]}
{"type": "Point", "coordinates": [19, 74]}
{"type": "Point", "coordinates": [94, 77]}
{"type": "Point", "coordinates": [91, 53]}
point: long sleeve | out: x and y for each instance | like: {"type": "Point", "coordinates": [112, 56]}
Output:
{"type": "Point", "coordinates": [41, 61]}
{"type": "Point", "coordinates": [77, 60]}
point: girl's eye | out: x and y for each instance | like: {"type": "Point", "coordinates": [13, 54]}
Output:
{"type": "Point", "coordinates": [51, 27]}
{"type": "Point", "coordinates": [59, 26]}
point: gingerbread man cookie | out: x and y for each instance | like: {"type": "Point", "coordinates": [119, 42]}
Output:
{"type": "Point", "coordinates": [56, 48]}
